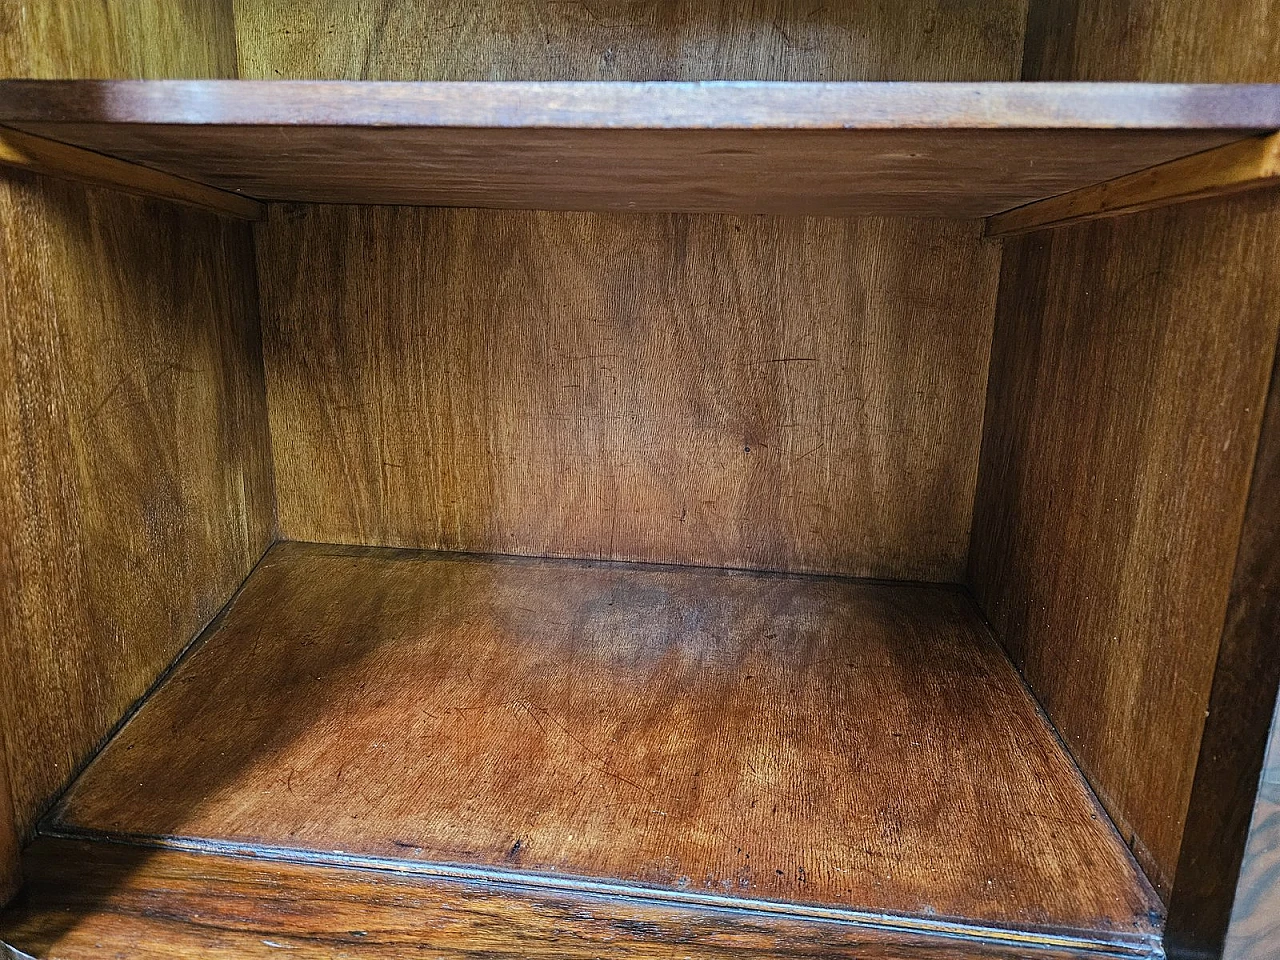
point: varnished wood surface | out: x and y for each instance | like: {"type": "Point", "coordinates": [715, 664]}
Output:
{"type": "Point", "coordinates": [1248, 164]}
{"type": "Point", "coordinates": [697, 733]}
{"type": "Point", "coordinates": [1234, 744]}
{"type": "Point", "coordinates": [86, 901]}
{"type": "Point", "coordinates": [118, 39]}
{"type": "Point", "coordinates": [531, 40]}
{"type": "Point", "coordinates": [135, 468]}
{"type": "Point", "coordinates": [658, 106]}
{"type": "Point", "coordinates": [1255, 919]}
{"type": "Point", "coordinates": [737, 392]}
{"type": "Point", "coordinates": [904, 149]}
{"type": "Point", "coordinates": [50, 158]}
{"type": "Point", "coordinates": [1233, 41]}
{"type": "Point", "coordinates": [1128, 378]}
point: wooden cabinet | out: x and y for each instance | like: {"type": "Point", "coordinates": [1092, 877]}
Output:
{"type": "Point", "coordinates": [614, 478]}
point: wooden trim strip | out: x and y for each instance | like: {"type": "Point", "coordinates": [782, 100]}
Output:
{"type": "Point", "coordinates": [1119, 945]}
{"type": "Point", "coordinates": [51, 158]}
{"type": "Point", "coordinates": [653, 105]}
{"type": "Point", "coordinates": [1235, 167]}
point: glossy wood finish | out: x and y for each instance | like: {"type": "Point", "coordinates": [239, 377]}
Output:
{"type": "Point", "coordinates": [740, 392]}
{"type": "Point", "coordinates": [134, 468]}
{"type": "Point", "coordinates": [1124, 348]}
{"type": "Point", "coordinates": [1255, 917]}
{"type": "Point", "coordinates": [706, 736]}
{"type": "Point", "coordinates": [960, 150]}
{"type": "Point", "coordinates": [87, 900]}
{"type": "Point", "coordinates": [50, 158]}
{"type": "Point", "coordinates": [530, 40]}
{"type": "Point", "coordinates": [1234, 168]}
{"type": "Point", "coordinates": [1233, 747]}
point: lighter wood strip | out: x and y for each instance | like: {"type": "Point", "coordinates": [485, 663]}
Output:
{"type": "Point", "coordinates": [1233, 168]}
{"type": "Point", "coordinates": [51, 158]}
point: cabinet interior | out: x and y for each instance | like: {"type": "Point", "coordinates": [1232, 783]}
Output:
{"type": "Point", "coordinates": [757, 505]}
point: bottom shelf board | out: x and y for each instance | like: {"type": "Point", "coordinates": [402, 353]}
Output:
{"type": "Point", "coordinates": [87, 901]}
{"type": "Point", "coordinates": [803, 747]}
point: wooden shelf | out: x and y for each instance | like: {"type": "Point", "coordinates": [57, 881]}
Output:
{"type": "Point", "coordinates": [913, 149]}
{"type": "Point", "coordinates": [799, 749]}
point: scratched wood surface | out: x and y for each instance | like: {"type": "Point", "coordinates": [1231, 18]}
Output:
{"type": "Point", "coordinates": [86, 901]}
{"type": "Point", "coordinates": [806, 740]}
{"type": "Point", "coordinates": [777, 393]}
{"type": "Point", "coordinates": [134, 469]}
{"type": "Point", "coordinates": [1158, 276]}
{"type": "Point", "coordinates": [1123, 348]}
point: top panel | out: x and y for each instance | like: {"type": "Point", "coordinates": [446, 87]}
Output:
{"type": "Point", "coordinates": [918, 149]}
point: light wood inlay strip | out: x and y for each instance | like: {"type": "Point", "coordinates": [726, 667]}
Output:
{"type": "Point", "coordinates": [1232, 168]}
{"type": "Point", "coordinates": [51, 158]}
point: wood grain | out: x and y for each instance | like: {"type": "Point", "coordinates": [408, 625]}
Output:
{"type": "Point", "coordinates": [1128, 376]}
{"type": "Point", "coordinates": [620, 40]}
{"type": "Point", "coordinates": [136, 471]}
{"type": "Point", "coordinates": [1247, 164]}
{"type": "Point", "coordinates": [698, 734]}
{"type": "Point", "coordinates": [1255, 918]}
{"type": "Point", "coordinates": [1233, 747]}
{"type": "Point", "coordinates": [1234, 41]}
{"type": "Point", "coordinates": [960, 150]}
{"type": "Point", "coordinates": [53, 159]}
{"type": "Point", "coordinates": [777, 393]}
{"type": "Point", "coordinates": [108, 39]}
{"type": "Point", "coordinates": [88, 900]}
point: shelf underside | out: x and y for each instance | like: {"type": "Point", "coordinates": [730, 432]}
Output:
{"type": "Point", "coordinates": [805, 749]}
{"type": "Point", "coordinates": [911, 149]}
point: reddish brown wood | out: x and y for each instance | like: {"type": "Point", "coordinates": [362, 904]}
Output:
{"type": "Point", "coordinates": [961, 150]}
{"type": "Point", "coordinates": [86, 901]}
{"type": "Point", "coordinates": [720, 391]}
{"type": "Point", "coordinates": [1241, 704]}
{"type": "Point", "coordinates": [1129, 372]}
{"type": "Point", "coordinates": [814, 742]}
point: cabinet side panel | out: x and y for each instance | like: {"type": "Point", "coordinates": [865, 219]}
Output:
{"type": "Point", "coordinates": [1129, 371]}
{"type": "Point", "coordinates": [135, 435]}
{"type": "Point", "coordinates": [1234, 746]}
{"type": "Point", "coordinates": [136, 469]}
{"type": "Point", "coordinates": [1225, 286]}
{"type": "Point", "coordinates": [746, 392]}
